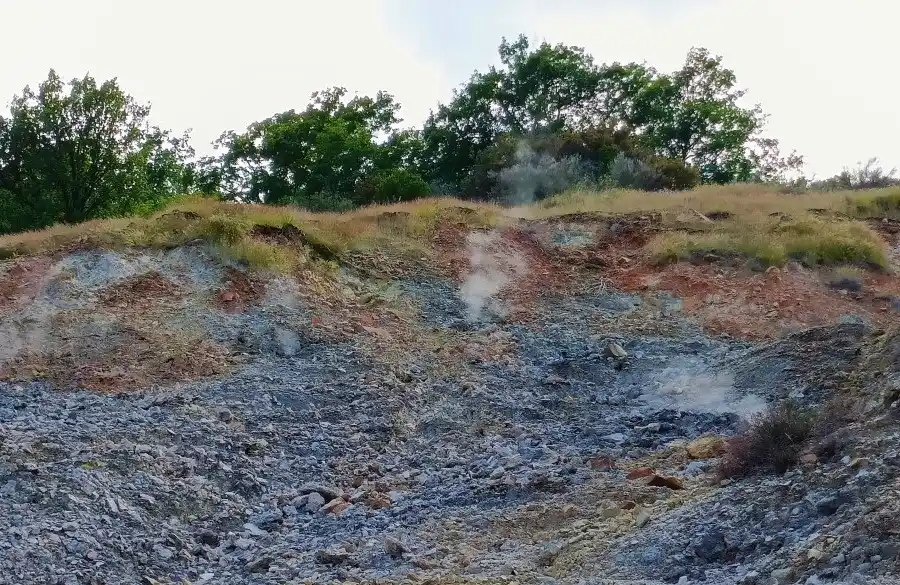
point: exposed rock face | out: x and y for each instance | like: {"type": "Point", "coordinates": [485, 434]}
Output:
{"type": "Point", "coordinates": [531, 448]}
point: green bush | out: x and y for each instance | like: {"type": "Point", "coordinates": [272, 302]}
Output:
{"type": "Point", "coordinates": [391, 186]}
{"type": "Point", "coordinates": [676, 176]}
{"type": "Point", "coordinates": [323, 201]}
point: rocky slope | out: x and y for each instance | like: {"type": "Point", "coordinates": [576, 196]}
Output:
{"type": "Point", "coordinates": [169, 417]}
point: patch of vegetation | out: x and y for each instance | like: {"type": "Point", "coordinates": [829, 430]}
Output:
{"type": "Point", "coordinates": [834, 243]}
{"type": "Point", "coordinates": [849, 278]}
{"type": "Point", "coordinates": [773, 441]}
{"type": "Point", "coordinates": [263, 237]}
{"type": "Point", "coordinates": [877, 204]}
{"type": "Point", "coordinates": [78, 150]}
{"type": "Point", "coordinates": [772, 243]}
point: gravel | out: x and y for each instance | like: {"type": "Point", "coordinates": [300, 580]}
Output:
{"type": "Point", "coordinates": [314, 461]}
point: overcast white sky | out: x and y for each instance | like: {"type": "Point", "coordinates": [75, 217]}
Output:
{"type": "Point", "coordinates": [826, 70]}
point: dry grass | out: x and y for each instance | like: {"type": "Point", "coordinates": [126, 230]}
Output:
{"type": "Point", "coordinates": [813, 242]}
{"type": "Point", "coordinates": [754, 221]}
{"type": "Point", "coordinates": [232, 229]}
{"type": "Point", "coordinates": [750, 221]}
{"type": "Point", "coordinates": [773, 442]}
{"type": "Point", "coordinates": [741, 200]}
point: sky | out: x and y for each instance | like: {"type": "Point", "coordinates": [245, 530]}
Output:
{"type": "Point", "coordinates": [827, 71]}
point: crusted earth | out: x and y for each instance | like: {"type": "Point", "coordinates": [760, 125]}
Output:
{"type": "Point", "coordinates": [525, 408]}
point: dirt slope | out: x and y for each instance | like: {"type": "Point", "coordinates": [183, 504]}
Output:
{"type": "Point", "coordinates": [468, 413]}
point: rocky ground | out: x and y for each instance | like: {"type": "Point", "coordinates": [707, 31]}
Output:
{"type": "Point", "coordinates": [166, 418]}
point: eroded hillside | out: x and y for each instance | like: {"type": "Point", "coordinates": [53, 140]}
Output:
{"type": "Point", "coordinates": [452, 393]}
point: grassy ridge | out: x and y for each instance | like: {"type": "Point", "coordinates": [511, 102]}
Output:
{"type": "Point", "coordinates": [238, 232]}
{"type": "Point", "coordinates": [751, 221]}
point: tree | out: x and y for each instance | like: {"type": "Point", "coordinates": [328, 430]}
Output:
{"type": "Point", "coordinates": [693, 116]}
{"type": "Point", "coordinates": [547, 89]}
{"type": "Point", "coordinates": [868, 175]}
{"type": "Point", "coordinates": [323, 152]}
{"type": "Point", "coordinates": [83, 153]}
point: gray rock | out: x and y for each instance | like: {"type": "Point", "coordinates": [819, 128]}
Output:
{"type": "Point", "coordinates": [314, 502]}
{"type": "Point", "coordinates": [830, 504]}
{"type": "Point", "coordinates": [695, 468]}
{"type": "Point", "coordinates": [327, 492]}
{"type": "Point", "coordinates": [782, 576]}
{"type": "Point", "coordinates": [615, 351]}
{"type": "Point", "coordinates": [260, 565]}
{"type": "Point", "coordinates": [394, 547]}
{"type": "Point", "coordinates": [267, 520]}
{"type": "Point", "coordinates": [255, 530]}
{"type": "Point", "coordinates": [615, 437]}
{"type": "Point", "coordinates": [710, 546]}
{"type": "Point", "coordinates": [332, 556]}
{"type": "Point", "coordinates": [548, 553]}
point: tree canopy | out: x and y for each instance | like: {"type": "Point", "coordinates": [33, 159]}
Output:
{"type": "Point", "coordinates": [328, 154]}
{"type": "Point", "coordinates": [70, 152]}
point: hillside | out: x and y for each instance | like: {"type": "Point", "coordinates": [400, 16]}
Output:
{"type": "Point", "coordinates": [448, 392]}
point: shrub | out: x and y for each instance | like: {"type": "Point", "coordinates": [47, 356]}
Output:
{"type": "Point", "coordinates": [773, 441]}
{"type": "Point", "coordinates": [538, 176]}
{"type": "Point", "coordinates": [675, 175]}
{"type": "Point", "coordinates": [391, 186]}
{"type": "Point", "coordinates": [634, 174]}
{"type": "Point", "coordinates": [868, 175]}
{"type": "Point", "coordinates": [323, 201]}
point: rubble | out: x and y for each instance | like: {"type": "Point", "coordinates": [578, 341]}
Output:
{"type": "Point", "coordinates": [530, 448]}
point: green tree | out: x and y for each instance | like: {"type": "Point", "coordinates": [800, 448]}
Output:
{"type": "Point", "coordinates": [319, 156]}
{"type": "Point", "coordinates": [540, 90]}
{"type": "Point", "coordinates": [76, 151]}
{"type": "Point", "coordinates": [692, 117]}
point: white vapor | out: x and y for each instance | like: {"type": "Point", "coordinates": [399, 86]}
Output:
{"type": "Point", "coordinates": [490, 269]}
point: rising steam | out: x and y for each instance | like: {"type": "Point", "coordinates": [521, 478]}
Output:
{"type": "Point", "coordinates": [490, 269]}
{"type": "Point", "coordinates": [702, 392]}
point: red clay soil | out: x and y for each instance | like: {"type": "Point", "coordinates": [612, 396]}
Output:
{"type": "Point", "coordinates": [239, 292]}
{"type": "Point", "coordinates": [737, 301]}
{"type": "Point", "coordinates": [128, 359]}
{"type": "Point", "coordinates": [22, 282]}
{"type": "Point", "coordinates": [760, 305]}
{"type": "Point", "coordinates": [542, 273]}
{"type": "Point", "coordinates": [140, 291]}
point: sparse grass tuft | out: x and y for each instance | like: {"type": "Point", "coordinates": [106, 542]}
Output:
{"type": "Point", "coordinates": [848, 278]}
{"type": "Point", "coordinates": [259, 255]}
{"type": "Point", "coordinates": [773, 441]}
{"type": "Point", "coordinates": [832, 243]}
{"type": "Point", "coordinates": [223, 229]}
{"type": "Point", "coordinates": [681, 245]}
